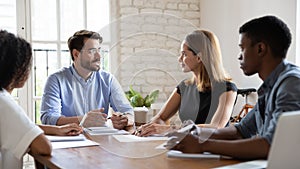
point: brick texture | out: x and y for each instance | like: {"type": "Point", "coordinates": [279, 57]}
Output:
{"type": "Point", "coordinates": [149, 37]}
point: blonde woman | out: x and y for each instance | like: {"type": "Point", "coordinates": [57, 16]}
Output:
{"type": "Point", "coordinates": [207, 98]}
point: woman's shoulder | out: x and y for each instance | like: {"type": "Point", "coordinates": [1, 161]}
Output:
{"type": "Point", "coordinates": [185, 83]}
{"type": "Point", "coordinates": [229, 85]}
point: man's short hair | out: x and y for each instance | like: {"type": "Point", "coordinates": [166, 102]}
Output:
{"type": "Point", "coordinates": [270, 30]}
{"type": "Point", "coordinates": [77, 40]}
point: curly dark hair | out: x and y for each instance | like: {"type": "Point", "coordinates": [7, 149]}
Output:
{"type": "Point", "coordinates": [77, 40]}
{"type": "Point", "coordinates": [270, 30]}
{"type": "Point", "coordinates": [15, 61]}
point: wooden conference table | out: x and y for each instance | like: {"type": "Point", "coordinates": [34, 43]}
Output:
{"type": "Point", "coordinates": [113, 154]}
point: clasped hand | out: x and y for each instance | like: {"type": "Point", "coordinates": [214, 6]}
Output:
{"type": "Point", "coordinates": [71, 129]}
{"type": "Point", "coordinates": [96, 118]}
{"type": "Point", "coordinates": [186, 140]}
{"type": "Point", "coordinates": [119, 120]}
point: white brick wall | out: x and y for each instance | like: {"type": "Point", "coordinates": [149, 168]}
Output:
{"type": "Point", "coordinates": [148, 42]}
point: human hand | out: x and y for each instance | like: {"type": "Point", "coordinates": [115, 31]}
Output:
{"type": "Point", "coordinates": [71, 129]}
{"type": "Point", "coordinates": [94, 118]}
{"type": "Point", "coordinates": [119, 120]}
{"type": "Point", "coordinates": [151, 128]}
{"type": "Point", "coordinates": [184, 142]}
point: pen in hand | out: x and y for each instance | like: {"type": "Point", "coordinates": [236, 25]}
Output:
{"type": "Point", "coordinates": [116, 114]}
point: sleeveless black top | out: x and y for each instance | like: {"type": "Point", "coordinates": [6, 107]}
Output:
{"type": "Point", "coordinates": [201, 106]}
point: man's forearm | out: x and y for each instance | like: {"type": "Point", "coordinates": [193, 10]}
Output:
{"type": "Point", "coordinates": [68, 120]}
{"type": "Point", "coordinates": [48, 129]}
{"type": "Point", "coordinates": [227, 133]}
{"type": "Point", "coordinates": [257, 148]}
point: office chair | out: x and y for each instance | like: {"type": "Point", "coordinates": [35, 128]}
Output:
{"type": "Point", "coordinates": [246, 107]}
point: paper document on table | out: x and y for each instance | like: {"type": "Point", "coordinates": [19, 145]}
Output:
{"type": "Point", "coordinates": [133, 138]}
{"type": "Point", "coordinates": [255, 164]}
{"type": "Point", "coordinates": [179, 154]}
{"type": "Point", "coordinates": [104, 131]}
{"type": "Point", "coordinates": [70, 141]}
{"type": "Point", "coordinates": [65, 138]}
{"type": "Point", "coordinates": [72, 144]}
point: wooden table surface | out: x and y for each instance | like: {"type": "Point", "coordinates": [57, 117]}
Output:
{"type": "Point", "coordinates": [112, 154]}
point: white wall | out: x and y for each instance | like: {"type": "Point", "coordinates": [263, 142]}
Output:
{"type": "Point", "coordinates": [146, 44]}
{"type": "Point", "coordinates": [298, 34]}
{"type": "Point", "coordinates": [157, 27]}
{"type": "Point", "coordinates": [224, 17]}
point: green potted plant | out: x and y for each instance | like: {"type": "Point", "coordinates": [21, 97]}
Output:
{"type": "Point", "coordinates": [137, 100]}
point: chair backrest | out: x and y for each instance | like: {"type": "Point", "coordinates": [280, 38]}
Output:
{"type": "Point", "coordinates": [244, 111]}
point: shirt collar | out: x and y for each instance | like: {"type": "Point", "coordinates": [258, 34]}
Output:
{"type": "Point", "coordinates": [271, 79]}
{"type": "Point", "coordinates": [79, 78]}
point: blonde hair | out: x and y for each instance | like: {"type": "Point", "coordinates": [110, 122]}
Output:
{"type": "Point", "coordinates": [205, 45]}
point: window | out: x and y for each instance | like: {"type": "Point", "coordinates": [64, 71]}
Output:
{"type": "Point", "coordinates": [8, 16]}
{"type": "Point", "coordinates": [51, 24]}
{"type": "Point", "coordinates": [298, 34]}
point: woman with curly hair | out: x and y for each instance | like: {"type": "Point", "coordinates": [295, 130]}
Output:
{"type": "Point", "coordinates": [18, 134]}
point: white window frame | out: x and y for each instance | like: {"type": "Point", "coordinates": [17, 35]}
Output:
{"type": "Point", "coordinates": [298, 33]}
{"type": "Point", "coordinates": [26, 96]}
{"type": "Point", "coordinates": [23, 30]}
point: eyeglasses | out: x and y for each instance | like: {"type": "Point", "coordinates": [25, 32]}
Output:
{"type": "Point", "coordinates": [93, 51]}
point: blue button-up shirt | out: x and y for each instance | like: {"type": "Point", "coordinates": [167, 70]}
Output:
{"type": "Point", "coordinates": [279, 93]}
{"type": "Point", "coordinates": [67, 94]}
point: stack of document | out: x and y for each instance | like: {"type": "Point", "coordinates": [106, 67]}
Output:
{"type": "Point", "coordinates": [179, 154]}
{"type": "Point", "coordinates": [70, 141]}
{"type": "Point", "coordinates": [133, 138]}
{"type": "Point", "coordinates": [65, 138]}
{"type": "Point", "coordinates": [104, 131]}
{"type": "Point", "coordinates": [255, 164]}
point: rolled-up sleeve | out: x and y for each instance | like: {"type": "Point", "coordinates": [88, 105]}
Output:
{"type": "Point", "coordinates": [247, 127]}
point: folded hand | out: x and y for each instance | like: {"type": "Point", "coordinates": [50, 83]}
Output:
{"type": "Point", "coordinates": [119, 120]}
{"type": "Point", "coordinates": [184, 142]}
{"type": "Point", "coordinates": [72, 129]}
{"type": "Point", "coordinates": [94, 118]}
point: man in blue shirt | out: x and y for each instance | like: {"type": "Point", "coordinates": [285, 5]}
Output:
{"type": "Point", "coordinates": [264, 43]}
{"type": "Point", "coordinates": [84, 88]}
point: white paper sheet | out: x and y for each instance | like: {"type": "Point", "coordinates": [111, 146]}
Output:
{"type": "Point", "coordinates": [70, 144]}
{"type": "Point", "coordinates": [70, 141]}
{"type": "Point", "coordinates": [179, 154]}
{"type": "Point", "coordinates": [255, 164]}
{"type": "Point", "coordinates": [80, 137]}
{"type": "Point", "coordinates": [104, 131]}
{"type": "Point", "coordinates": [133, 138]}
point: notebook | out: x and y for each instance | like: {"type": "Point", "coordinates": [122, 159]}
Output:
{"type": "Point", "coordinates": [285, 149]}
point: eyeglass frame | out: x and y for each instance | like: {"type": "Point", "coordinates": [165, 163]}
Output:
{"type": "Point", "coordinates": [93, 51]}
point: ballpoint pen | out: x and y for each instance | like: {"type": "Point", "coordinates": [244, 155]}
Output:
{"type": "Point", "coordinates": [116, 114]}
